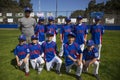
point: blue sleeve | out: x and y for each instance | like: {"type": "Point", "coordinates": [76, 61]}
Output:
{"type": "Point", "coordinates": [45, 28]}
{"type": "Point", "coordinates": [78, 49]}
{"type": "Point", "coordinates": [15, 51]}
{"type": "Point", "coordinates": [36, 29]}
{"type": "Point", "coordinates": [27, 50]}
{"type": "Point", "coordinates": [61, 30]}
{"type": "Point", "coordinates": [72, 28]}
{"type": "Point", "coordinates": [95, 50]}
{"type": "Point", "coordinates": [40, 49]}
{"type": "Point", "coordinates": [102, 30]}
{"type": "Point", "coordinates": [66, 52]}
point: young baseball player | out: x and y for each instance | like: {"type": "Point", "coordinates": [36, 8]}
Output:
{"type": "Point", "coordinates": [40, 30]}
{"type": "Point", "coordinates": [97, 30]}
{"type": "Point", "coordinates": [50, 52]}
{"type": "Point", "coordinates": [90, 56]}
{"type": "Point", "coordinates": [73, 55]}
{"type": "Point", "coordinates": [36, 60]}
{"type": "Point", "coordinates": [64, 31]}
{"type": "Point", "coordinates": [21, 53]}
{"type": "Point", "coordinates": [51, 27]}
{"type": "Point", "coordinates": [81, 32]}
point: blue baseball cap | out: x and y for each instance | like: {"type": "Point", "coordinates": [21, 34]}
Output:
{"type": "Point", "coordinates": [34, 37]}
{"type": "Point", "coordinates": [67, 19]}
{"type": "Point", "coordinates": [90, 43]}
{"type": "Point", "coordinates": [79, 17]}
{"type": "Point", "coordinates": [41, 18]}
{"type": "Point", "coordinates": [50, 18]}
{"type": "Point", "coordinates": [72, 34]}
{"type": "Point", "coordinates": [22, 37]}
{"type": "Point", "coordinates": [97, 18]}
{"type": "Point", "coordinates": [27, 9]}
{"type": "Point", "coordinates": [49, 33]}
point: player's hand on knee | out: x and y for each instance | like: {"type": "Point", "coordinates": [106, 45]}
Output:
{"type": "Point", "coordinates": [79, 62]}
{"type": "Point", "coordinates": [75, 60]}
{"type": "Point", "coordinates": [25, 60]}
{"type": "Point", "coordinates": [18, 64]}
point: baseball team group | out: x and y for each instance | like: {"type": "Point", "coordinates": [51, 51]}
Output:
{"type": "Point", "coordinates": [37, 45]}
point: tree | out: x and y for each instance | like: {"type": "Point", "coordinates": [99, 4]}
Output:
{"type": "Point", "coordinates": [25, 3]}
{"type": "Point", "coordinates": [9, 6]}
{"type": "Point", "coordinates": [112, 6]}
{"type": "Point", "coordinates": [77, 13]}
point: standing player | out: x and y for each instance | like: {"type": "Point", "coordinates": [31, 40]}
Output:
{"type": "Point", "coordinates": [35, 54]}
{"type": "Point", "coordinates": [21, 53]}
{"type": "Point", "coordinates": [97, 30]}
{"type": "Point", "coordinates": [27, 24]}
{"type": "Point", "coordinates": [73, 55]}
{"type": "Point", "coordinates": [51, 27]}
{"type": "Point", "coordinates": [50, 51]}
{"type": "Point", "coordinates": [40, 30]}
{"type": "Point", "coordinates": [81, 32]}
{"type": "Point", "coordinates": [90, 55]}
{"type": "Point", "coordinates": [64, 31]}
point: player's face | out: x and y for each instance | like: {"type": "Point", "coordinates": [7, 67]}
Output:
{"type": "Point", "coordinates": [90, 48]}
{"type": "Point", "coordinates": [68, 22]}
{"type": "Point", "coordinates": [49, 37]}
{"type": "Point", "coordinates": [98, 22]}
{"type": "Point", "coordinates": [71, 39]}
{"type": "Point", "coordinates": [41, 22]}
{"type": "Point", "coordinates": [34, 41]}
{"type": "Point", "coordinates": [79, 21]}
{"type": "Point", "coordinates": [27, 14]}
{"type": "Point", "coordinates": [21, 42]}
{"type": "Point", "coordinates": [51, 22]}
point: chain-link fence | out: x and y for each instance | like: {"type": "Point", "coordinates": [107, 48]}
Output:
{"type": "Point", "coordinates": [12, 18]}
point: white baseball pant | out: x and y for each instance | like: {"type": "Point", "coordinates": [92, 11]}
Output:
{"type": "Point", "coordinates": [79, 68]}
{"type": "Point", "coordinates": [96, 66]}
{"type": "Point", "coordinates": [24, 65]}
{"type": "Point", "coordinates": [99, 50]}
{"type": "Point", "coordinates": [57, 60]}
{"type": "Point", "coordinates": [37, 63]}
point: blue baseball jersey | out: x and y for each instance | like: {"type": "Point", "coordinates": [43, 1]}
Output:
{"type": "Point", "coordinates": [40, 32]}
{"type": "Point", "coordinates": [52, 28]}
{"type": "Point", "coordinates": [80, 30]}
{"type": "Point", "coordinates": [65, 30]}
{"type": "Point", "coordinates": [35, 50]}
{"type": "Point", "coordinates": [49, 49]}
{"type": "Point", "coordinates": [97, 31]}
{"type": "Point", "coordinates": [89, 55]}
{"type": "Point", "coordinates": [21, 51]}
{"type": "Point", "coordinates": [72, 50]}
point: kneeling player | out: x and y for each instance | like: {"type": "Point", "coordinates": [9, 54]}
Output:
{"type": "Point", "coordinates": [50, 52]}
{"type": "Point", "coordinates": [90, 56]}
{"type": "Point", "coordinates": [21, 53]}
{"type": "Point", "coordinates": [35, 54]}
{"type": "Point", "coordinates": [73, 55]}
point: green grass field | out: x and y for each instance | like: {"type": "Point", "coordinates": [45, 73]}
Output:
{"type": "Point", "coordinates": [109, 66]}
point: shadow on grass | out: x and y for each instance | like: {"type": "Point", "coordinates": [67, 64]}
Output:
{"type": "Point", "coordinates": [14, 63]}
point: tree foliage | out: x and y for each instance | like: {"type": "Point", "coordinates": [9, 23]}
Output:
{"type": "Point", "coordinates": [14, 5]}
{"type": "Point", "coordinates": [111, 7]}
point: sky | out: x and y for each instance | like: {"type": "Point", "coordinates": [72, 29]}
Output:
{"type": "Point", "coordinates": [63, 5]}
